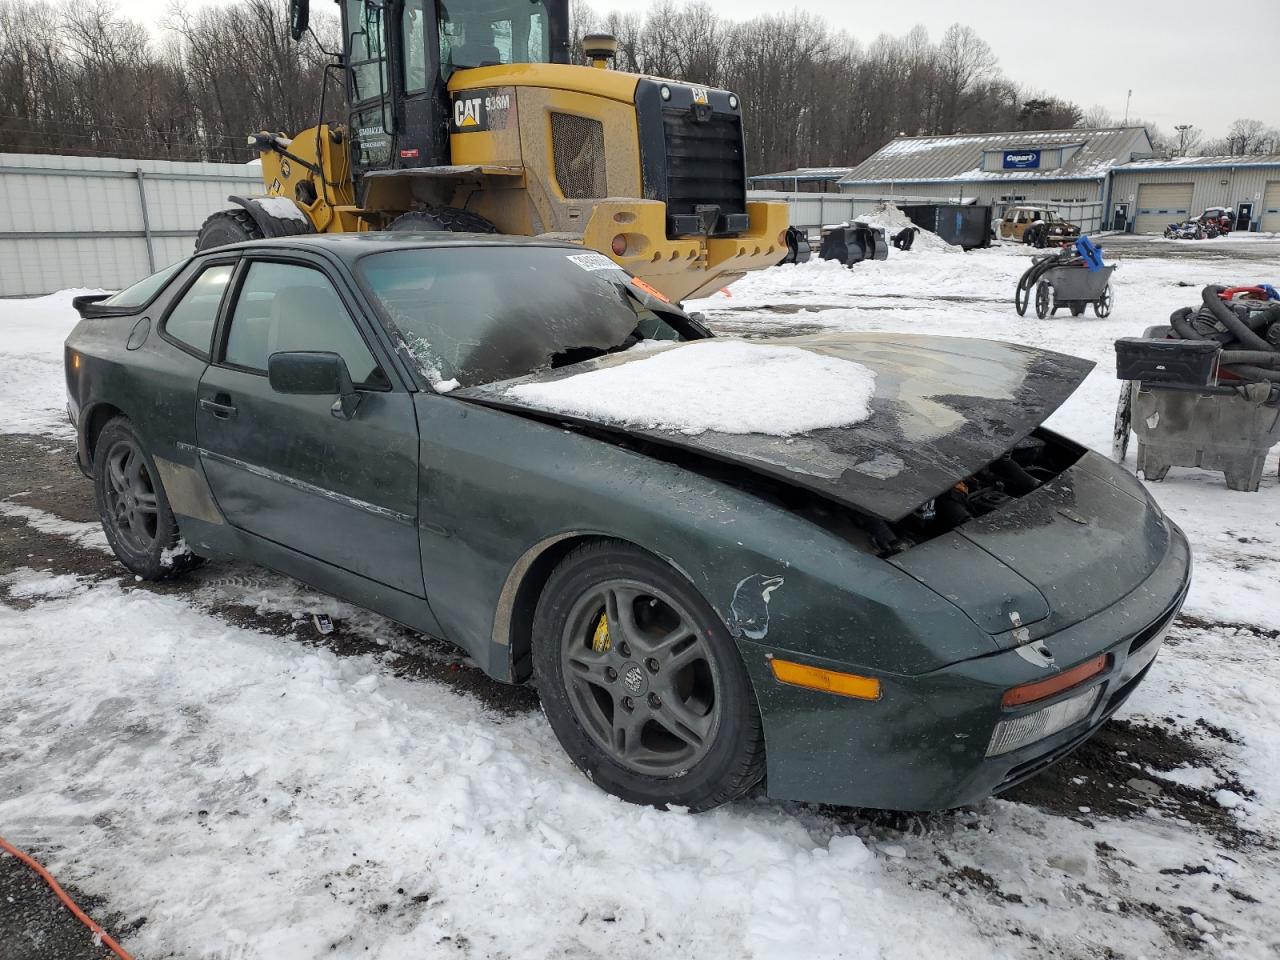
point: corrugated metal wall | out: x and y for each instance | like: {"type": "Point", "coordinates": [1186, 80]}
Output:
{"type": "Point", "coordinates": [81, 221]}
{"type": "Point", "coordinates": [986, 191]}
{"type": "Point", "coordinates": [1243, 185]}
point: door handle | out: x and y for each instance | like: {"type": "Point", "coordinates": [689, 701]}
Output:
{"type": "Point", "coordinates": [220, 406]}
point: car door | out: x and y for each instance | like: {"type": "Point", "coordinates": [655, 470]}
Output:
{"type": "Point", "coordinates": [284, 467]}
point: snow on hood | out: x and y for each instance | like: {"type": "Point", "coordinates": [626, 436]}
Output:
{"type": "Point", "coordinates": [941, 408]}
{"type": "Point", "coordinates": [728, 386]}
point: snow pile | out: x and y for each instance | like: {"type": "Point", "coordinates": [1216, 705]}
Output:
{"type": "Point", "coordinates": [893, 220]}
{"type": "Point", "coordinates": [33, 390]}
{"type": "Point", "coordinates": [729, 386]}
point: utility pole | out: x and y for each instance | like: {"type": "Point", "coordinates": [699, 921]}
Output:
{"type": "Point", "coordinates": [1126, 109]}
{"type": "Point", "coordinates": [1182, 129]}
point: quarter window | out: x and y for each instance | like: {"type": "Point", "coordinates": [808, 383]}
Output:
{"type": "Point", "coordinates": [284, 307]}
{"type": "Point", "coordinates": [192, 318]}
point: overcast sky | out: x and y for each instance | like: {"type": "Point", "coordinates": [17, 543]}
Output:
{"type": "Point", "coordinates": [1204, 62]}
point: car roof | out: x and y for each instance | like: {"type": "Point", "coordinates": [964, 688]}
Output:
{"type": "Point", "coordinates": [352, 246]}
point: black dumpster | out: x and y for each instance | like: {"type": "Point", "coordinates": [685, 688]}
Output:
{"type": "Point", "coordinates": [965, 225]}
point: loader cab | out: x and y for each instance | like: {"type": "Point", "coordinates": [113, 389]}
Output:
{"type": "Point", "coordinates": [400, 55]}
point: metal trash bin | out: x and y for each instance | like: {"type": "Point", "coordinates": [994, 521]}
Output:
{"type": "Point", "coordinates": [1183, 417]}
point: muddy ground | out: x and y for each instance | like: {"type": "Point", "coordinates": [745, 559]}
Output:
{"type": "Point", "coordinates": [1114, 775]}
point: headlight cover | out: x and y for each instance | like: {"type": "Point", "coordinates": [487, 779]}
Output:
{"type": "Point", "coordinates": [1017, 732]}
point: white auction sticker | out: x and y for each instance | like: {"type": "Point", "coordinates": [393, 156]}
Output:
{"type": "Point", "coordinates": [593, 261]}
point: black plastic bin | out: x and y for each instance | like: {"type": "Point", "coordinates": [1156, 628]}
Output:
{"type": "Point", "coordinates": [1192, 363]}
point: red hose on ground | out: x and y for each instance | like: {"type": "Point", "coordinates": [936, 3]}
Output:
{"type": "Point", "coordinates": [79, 914]}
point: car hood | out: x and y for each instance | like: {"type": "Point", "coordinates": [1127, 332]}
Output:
{"type": "Point", "coordinates": [943, 408]}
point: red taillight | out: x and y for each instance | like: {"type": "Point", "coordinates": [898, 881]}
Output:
{"type": "Point", "coordinates": [619, 245]}
{"type": "Point", "coordinates": [1030, 692]}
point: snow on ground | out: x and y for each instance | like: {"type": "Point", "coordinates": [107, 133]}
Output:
{"type": "Point", "coordinates": [33, 393]}
{"type": "Point", "coordinates": [252, 795]}
{"type": "Point", "coordinates": [729, 386]}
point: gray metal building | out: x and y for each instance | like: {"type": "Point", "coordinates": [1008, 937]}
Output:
{"type": "Point", "coordinates": [1147, 195]}
{"type": "Point", "coordinates": [801, 180]}
{"type": "Point", "coordinates": [1065, 166]}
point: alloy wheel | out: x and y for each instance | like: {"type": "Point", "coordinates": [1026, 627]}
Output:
{"type": "Point", "coordinates": [132, 507]}
{"type": "Point", "coordinates": [642, 680]}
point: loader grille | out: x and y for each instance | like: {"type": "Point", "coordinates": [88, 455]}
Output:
{"type": "Point", "coordinates": [704, 163]}
{"type": "Point", "coordinates": [577, 146]}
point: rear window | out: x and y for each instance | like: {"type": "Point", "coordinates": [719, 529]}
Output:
{"type": "Point", "coordinates": [142, 292]}
{"type": "Point", "coordinates": [480, 314]}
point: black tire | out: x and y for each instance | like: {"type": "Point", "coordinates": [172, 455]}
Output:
{"type": "Point", "coordinates": [149, 543]}
{"type": "Point", "coordinates": [731, 758]}
{"type": "Point", "coordinates": [227, 226]}
{"type": "Point", "coordinates": [1102, 306]}
{"type": "Point", "coordinates": [1044, 299]}
{"type": "Point", "coordinates": [450, 219]}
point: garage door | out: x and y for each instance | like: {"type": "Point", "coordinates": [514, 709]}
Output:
{"type": "Point", "coordinates": [1271, 207]}
{"type": "Point", "coordinates": [1160, 204]}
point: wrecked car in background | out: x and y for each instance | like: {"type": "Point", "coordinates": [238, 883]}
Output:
{"type": "Point", "coordinates": [1036, 226]}
{"type": "Point", "coordinates": [911, 596]}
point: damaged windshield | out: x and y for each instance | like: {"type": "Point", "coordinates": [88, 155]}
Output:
{"type": "Point", "coordinates": [480, 314]}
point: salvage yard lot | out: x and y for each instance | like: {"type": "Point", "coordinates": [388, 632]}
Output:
{"type": "Point", "coordinates": [225, 781]}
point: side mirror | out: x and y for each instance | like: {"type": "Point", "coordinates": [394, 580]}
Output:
{"type": "Point", "coordinates": [299, 18]}
{"type": "Point", "coordinates": [317, 375]}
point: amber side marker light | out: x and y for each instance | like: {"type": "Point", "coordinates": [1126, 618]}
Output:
{"type": "Point", "coordinates": [828, 681]}
{"type": "Point", "coordinates": [1031, 692]}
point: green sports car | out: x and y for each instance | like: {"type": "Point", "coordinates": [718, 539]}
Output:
{"type": "Point", "coordinates": [911, 596]}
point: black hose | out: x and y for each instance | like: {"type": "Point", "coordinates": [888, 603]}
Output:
{"type": "Point", "coordinates": [1179, 320]}
{"type": "Point", "coordinates": [1246, 372]}
{"type": "Point", "coordinates": [1259, 358]}
{"type": "Point", "coordinates": [1227, 317]}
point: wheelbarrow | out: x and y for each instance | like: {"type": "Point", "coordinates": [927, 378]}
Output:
{"type": "Point", "coordinates": [1074, 277]}
{"type": "Point", "coordinates": [1075, 287]}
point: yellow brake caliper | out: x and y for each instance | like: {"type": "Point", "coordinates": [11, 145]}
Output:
{"type": "Point", "coordinates": [600, 640]}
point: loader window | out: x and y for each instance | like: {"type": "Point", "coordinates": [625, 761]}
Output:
{"type": "Point", "coordinates": [368, 53]}
{"type": "Point", "coordinates": [413, 33]}
{"type": "Point", "coordinates": [481, 33]}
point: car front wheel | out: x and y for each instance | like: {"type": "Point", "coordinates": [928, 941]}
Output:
{"type": "Point", "coordinates": [641, 682]}
{"type": "Point", "coordinates": [133, 507]}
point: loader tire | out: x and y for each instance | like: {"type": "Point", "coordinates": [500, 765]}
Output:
{"type": "Point", "coordinates": [449, 219]}
{"type": "Point", "coordinates": [227, 226]}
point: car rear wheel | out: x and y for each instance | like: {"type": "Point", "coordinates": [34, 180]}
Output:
{"type": "Point", "coordinates": [641, 682]}
{"type": "Point", "coordinates": [133, 507]}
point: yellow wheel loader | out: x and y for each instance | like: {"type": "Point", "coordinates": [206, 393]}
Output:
{"type": "Point", "coordinates": [467, 115]}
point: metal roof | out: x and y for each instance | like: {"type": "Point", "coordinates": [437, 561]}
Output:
{"type": "Point", "coordinates": [1193, 163]}
{"type": "Point", "coordinates": [959, 157]}
{"type": "Point", "coordinates": [805, 173]}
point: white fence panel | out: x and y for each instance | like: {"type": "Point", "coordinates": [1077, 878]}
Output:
{"type": "Point", "coordinates": [102, 221]}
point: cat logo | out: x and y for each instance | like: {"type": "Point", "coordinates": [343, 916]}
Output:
{"type": "Point", "coordinates": [699, 94]}
{"type": "Point", "coordinates": [468, 114]}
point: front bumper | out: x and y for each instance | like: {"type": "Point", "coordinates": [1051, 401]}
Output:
{"type": "Point", "coordinates": [922, 745]}
{"type": "Point", "coordinates": [686, 266]}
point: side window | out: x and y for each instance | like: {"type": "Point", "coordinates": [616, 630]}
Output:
{"type": "Point", "coordinates": [285, 307]}
{"type": "Point", "coordinates": [413, 36]}
{"type": "Point", "coordinates": [192, 318]}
